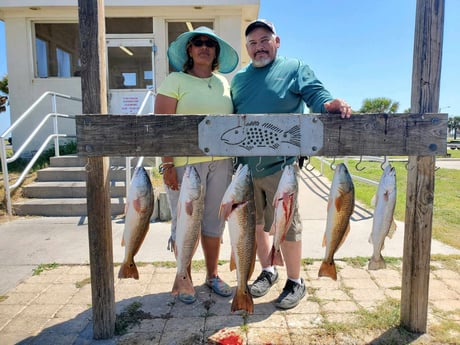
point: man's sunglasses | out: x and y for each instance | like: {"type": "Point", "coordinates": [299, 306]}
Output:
{"type": "Point", "coordinates": [207, 43]}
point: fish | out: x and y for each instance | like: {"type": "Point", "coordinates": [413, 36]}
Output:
{"type": "Point", "coordinates": [138, 211]}
{"type": "Point", "coordinates": [261, 134]}
{"type": "Point", "coordinates": [340, 207]}
{"type": "Point", "coordinates": [188, 229]}
{"type": "Point", "coordinates": [238, 208]}
{"type": "Point", "coordinates": [383, 224]}
{"type": "Point", "coordinates": [284, 203]}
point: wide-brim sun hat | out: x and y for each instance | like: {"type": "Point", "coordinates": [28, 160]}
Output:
{"type": "Point", "coordinates": [177, 52]}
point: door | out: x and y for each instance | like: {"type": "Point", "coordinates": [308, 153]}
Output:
{"type": "Point", "coordinates": [130, 74]}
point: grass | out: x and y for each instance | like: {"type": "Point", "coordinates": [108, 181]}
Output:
{"type": "Point", "coordinates": [44, 267]}
{"type": "Point", "coordinates": [446, 212]}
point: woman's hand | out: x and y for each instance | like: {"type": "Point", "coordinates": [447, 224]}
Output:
{"type": "Point", "coordinates": [170, 177]}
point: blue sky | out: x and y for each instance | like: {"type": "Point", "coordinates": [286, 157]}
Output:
{"type": "Point", "coordinates": [358, 48]}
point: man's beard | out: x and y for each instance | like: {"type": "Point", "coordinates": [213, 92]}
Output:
{"type": "Point", "coordinates": [262, 62]}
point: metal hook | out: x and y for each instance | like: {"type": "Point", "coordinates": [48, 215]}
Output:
{"type": "Point", "coordinates": [385, 161]}
{"type": "Point", "coordinates": [306, 165]}
{"type": "Point", "coordinates": [258, 164]}
{"type": "Point", "coordinates": [212, 165]}
{"type": "Point", "coordinates": [332, 164]}
{"type": "Point", "coordinates": [284, 164]}
{"type": "Point", "coordinates": [360, 161]}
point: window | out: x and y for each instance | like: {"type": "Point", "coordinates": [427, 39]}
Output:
{"type": "Point", "coordinates": [57, 50]}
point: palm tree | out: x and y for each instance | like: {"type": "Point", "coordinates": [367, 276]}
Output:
{"type": "Point", "coordinates": [379, 105]}
{"type": "Point", "coordinates": [3, 91]}
{"type": "Point", "coordinates": [453, 124]}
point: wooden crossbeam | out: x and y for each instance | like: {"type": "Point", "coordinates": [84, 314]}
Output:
{"type": "Point", "coordinates": [318, 134]}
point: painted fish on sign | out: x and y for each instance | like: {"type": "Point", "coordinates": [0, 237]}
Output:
{"type": "Point", "coordinates": [261, 134]}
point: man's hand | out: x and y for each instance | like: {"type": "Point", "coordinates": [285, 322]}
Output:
{"type": "Point", "coordinates": [337, 106]}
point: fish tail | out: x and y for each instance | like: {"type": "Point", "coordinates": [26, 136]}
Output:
{"type": "Point", "coordinates": [183, 284]}
{"type": "Point", "coordinates": [276, 257]}
{"type": "Point", "coordinates": [328, 270]}
{"type": "Point", "coordinates": [243, 301]}
{"type": "Point", "coordinates": [128, 270]}
{"type": "Point", "coordinates": [295, 135]}
{"type": "Point", "coordinates": [377, 263]}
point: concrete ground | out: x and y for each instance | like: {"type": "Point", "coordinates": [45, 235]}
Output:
{"type": "Point", "coordinates": [55, 306]}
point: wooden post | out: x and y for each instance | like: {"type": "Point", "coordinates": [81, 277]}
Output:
{"type": "Point", "coordinates": [94, 96]}
{"type": "Point", "coordinates": [426, 74]}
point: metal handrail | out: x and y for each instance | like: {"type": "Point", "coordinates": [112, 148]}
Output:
{"type": "Point", "coordinates": [54, 115]}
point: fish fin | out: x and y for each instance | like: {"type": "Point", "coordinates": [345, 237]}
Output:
{"type": "Point", "coordinates": [338, 203]}
{"type": "Point", "coordinates": [328, 270]}
{"type": "Point", "coordinates": [324, 240]}
{"type": "Point", "coordinates": [392, 229]}
{"type": "Point", "coordinates": [232, 261]}
{"type": "Point", "coordinates": [128, 270]}
{"type": "Point", "coordinates": [377, 264]}
{"type": "Point", "coordinates": [386, 196]}
{"type": "Point", "coordinates": [137, 205]}
{"type": "Point", "coordinates": [275, 257]}
{"type": "Point", "coordinates": [183, 284]}
{"type": "Point", "coordinates": [243, 301]}
{"type": "Point", "coordinates": [189, 208]}
{"type": "Point", "coordinates": [225, 210]}
{"type": "Point", "coordinates": [345, 234]}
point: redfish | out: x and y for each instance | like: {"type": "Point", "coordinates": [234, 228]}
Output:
{"type": "Point", "coordinates": [284, 202]}
{"type": "Point", "coordinates": [138, 210]}
{"type": "Point", "coordinates": [340, 207]}
{"type": "Point", "coordinates": [238, 208]}
{"type": "Point", "coordinates": [188, 229]}
{"type": "Point", "coordinates": [383, 224]}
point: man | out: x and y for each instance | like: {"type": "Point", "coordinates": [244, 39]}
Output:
{"type": "Point", "coordinates": [272, 84]}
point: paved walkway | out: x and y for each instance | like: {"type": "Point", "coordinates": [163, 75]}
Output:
{"type": "Point", "coordinates": [55, 306]}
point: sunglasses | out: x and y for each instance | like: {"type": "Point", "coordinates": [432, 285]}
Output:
{"type": "Point", "coordinates": [207, 43]}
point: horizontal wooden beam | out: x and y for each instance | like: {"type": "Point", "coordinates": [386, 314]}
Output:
{"type": "Point", "coordinates": [262, 134]}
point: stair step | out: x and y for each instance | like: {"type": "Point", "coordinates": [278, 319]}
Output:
{"type": "Point", "coordinates": [80, 161]}
{"type": "Point", "coordinates": [67, 189]}
{"type": "Point", "coordinates": [61, 207]}
{"type": "Point", "coordinates": [75, 174]}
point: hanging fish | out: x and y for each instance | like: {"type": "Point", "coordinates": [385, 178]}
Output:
{"type": "Point", "coordinates": [189, 215]}
{"type": "Point", "coordinates": [340, 207]}
{"type": "Point", "coordinates": [139, 209]}
{"type": "Point", "coordinates": [238, 207]}
{"type": "Point", "coordinates": [284, 203]}
{"type": "Point", "coordinates": [383, 224]}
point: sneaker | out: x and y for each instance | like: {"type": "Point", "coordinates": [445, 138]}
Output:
{"type": "Point", "coordinates": [263, 283]}
{"type": "Point", "coordinates": [291, 295]}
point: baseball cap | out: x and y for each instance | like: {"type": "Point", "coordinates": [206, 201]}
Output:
{"type": "Point", "coordinates": [260, 23]}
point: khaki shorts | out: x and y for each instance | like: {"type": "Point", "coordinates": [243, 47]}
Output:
{"type": "Point", "coordinates": [264, 192]}
{"type": "Point", "coordinates": [215, 177]}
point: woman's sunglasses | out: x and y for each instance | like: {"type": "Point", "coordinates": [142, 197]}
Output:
{"type": "Point", "coordinates": [207, 43]}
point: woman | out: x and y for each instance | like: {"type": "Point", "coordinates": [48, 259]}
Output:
{"type": "Point", "coordinates": [196, 89]}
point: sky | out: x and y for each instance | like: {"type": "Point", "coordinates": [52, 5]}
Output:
{"type": "Point", "coordinates": [358, 48]}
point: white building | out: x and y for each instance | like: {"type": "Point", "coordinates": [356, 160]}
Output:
{"type": "Point", "coordinates": [42, 40]}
